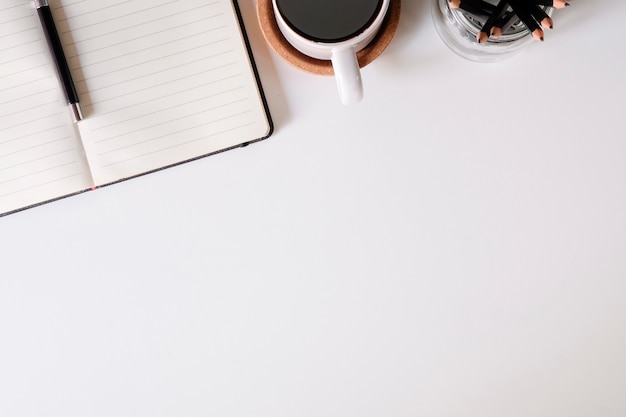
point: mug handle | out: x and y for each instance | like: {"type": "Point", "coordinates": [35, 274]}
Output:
{"type": "Point", "coordinates": [347, 74]}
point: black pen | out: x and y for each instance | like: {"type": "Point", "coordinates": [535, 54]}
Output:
{"type": "Point", "coordinates": [54, 44]}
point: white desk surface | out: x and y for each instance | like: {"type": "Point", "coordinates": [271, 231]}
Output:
{"type": "Point", "coordinates": [455, 245]}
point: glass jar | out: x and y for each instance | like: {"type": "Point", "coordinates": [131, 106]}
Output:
{"type": "Point", "coordinates": [458, 30]}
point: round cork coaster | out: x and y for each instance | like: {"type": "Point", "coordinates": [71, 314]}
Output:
{"type": "Point", "coordinates": [279, 44]}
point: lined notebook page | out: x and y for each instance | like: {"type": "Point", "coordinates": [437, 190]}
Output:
{"type": "Point", "coordinates": [160, 82]}
{"type": "Point", "coordinates": [40, 153]}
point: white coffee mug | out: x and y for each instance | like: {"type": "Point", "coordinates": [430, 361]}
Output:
{"type": "Point", "coordinates": [342, 53]}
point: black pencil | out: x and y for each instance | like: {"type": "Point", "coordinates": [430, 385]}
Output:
{"type": "Point", "coordinates": [557, 4]}
{"type": "Point", "coordinates": [522, 10]}
{"type": "Point", "coordinates": [476, 7]}
{"type": "Point", "coordinates": [541, 16]}
{"type": "Point", "coordinates": [485, 31]}
{"type": "Point", "coordinates": [504, 23]}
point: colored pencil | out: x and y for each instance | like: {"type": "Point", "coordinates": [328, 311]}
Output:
{"type": "Point", "coordinates": [522, 10]}
{"type": "Point", "coordinates": [485, 31]}
{"type": "Point", "coordinates": [541, 16]}
{"type": "Point", "coordinates": [504, 23]}
{"type": "Point", "coordinates": [557, 4]}
{"type": "Point", "coordinates": [477, 7]}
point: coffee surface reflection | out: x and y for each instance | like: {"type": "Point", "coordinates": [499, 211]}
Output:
{"type": "Point", "coordinates": [329, 20]}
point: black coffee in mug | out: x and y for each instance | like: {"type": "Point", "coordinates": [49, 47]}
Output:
{"type": "Point", "coordinates": [329, 20]}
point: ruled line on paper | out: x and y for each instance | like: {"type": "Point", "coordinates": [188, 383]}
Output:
{"type": "Point", "coordinates": [97, 50]}
{"type": "Point", "coordinates": [67, 3]}
{"type": "Point", "coordinates": [26, 83]}
{"type": "Point", "coordinates": [41, 184]}
{"type": "Point", "coordinates": [30, 109]}
{"type": "Point", "coordinates": [10, 7]}
{"type": "Point", "coordinates": [25, 70]}
{"type": "Point", "coordinates": [133, 104]}
{"type": "Point", "coordinates": [26, 97]}
{"type": "Point", "coordinates": [160, 58]}
{"type": "Point", "coordinates": [22, 57]}
{"type": "Point", "coordinates": [152, 8]}
{"type": "Point", "coordinates": [20, 45]}
{"type": "Point", "coordinates": [23, 62]}
{"type": "Point", "coordinates": [177, 105]}
{"type": "Point", "coordinates": [39, 145]}
{"type": "Point", "coordinates": [31, 134]}
{"type": "Point", "coordinates": [132, 27]}
{"type": "Point", "coordinates": [177, 66]}
{"type": "Point", "coordinates": [95, 11]}
{"type": "Point", "coordinates": [158, 72]}
{"type": "Point", "coordinates": [39, 118]}
{"type": "Point", "coordinates": [180, 144]}
{"type": "Point", "coordinates": [166, 58]}
{"type": "Point", "coordinates": [29, 161]}
{"type": "Point", "coordinates": [169, 82]}
{"type": "Point", "coordinates": [92, 10]}
{"type": "Point", "coordinates": [178, 131]}
{"type": "Point", "coordinates": [151, 48]}
{"type": "Point", "coordinates": [186, 116]}
{"type": "Point", "coordinates": [18, 32]}
{"type": "Point", "coordinates": [14, 20]}
{"type": "Point", "coordinates": [30, 174]}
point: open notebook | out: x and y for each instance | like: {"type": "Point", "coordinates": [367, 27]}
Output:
{"type": "Point", "coordinates": [160, 83]}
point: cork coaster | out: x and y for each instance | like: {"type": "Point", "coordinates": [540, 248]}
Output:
{"type": "Point", "coordinates": [279, 44]}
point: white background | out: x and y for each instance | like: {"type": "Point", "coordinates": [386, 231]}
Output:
{"type": "Point", "coordinates": [454, 245]}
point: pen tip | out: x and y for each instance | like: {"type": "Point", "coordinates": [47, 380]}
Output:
{"type": "Point", "coordinates": [77, 113]}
